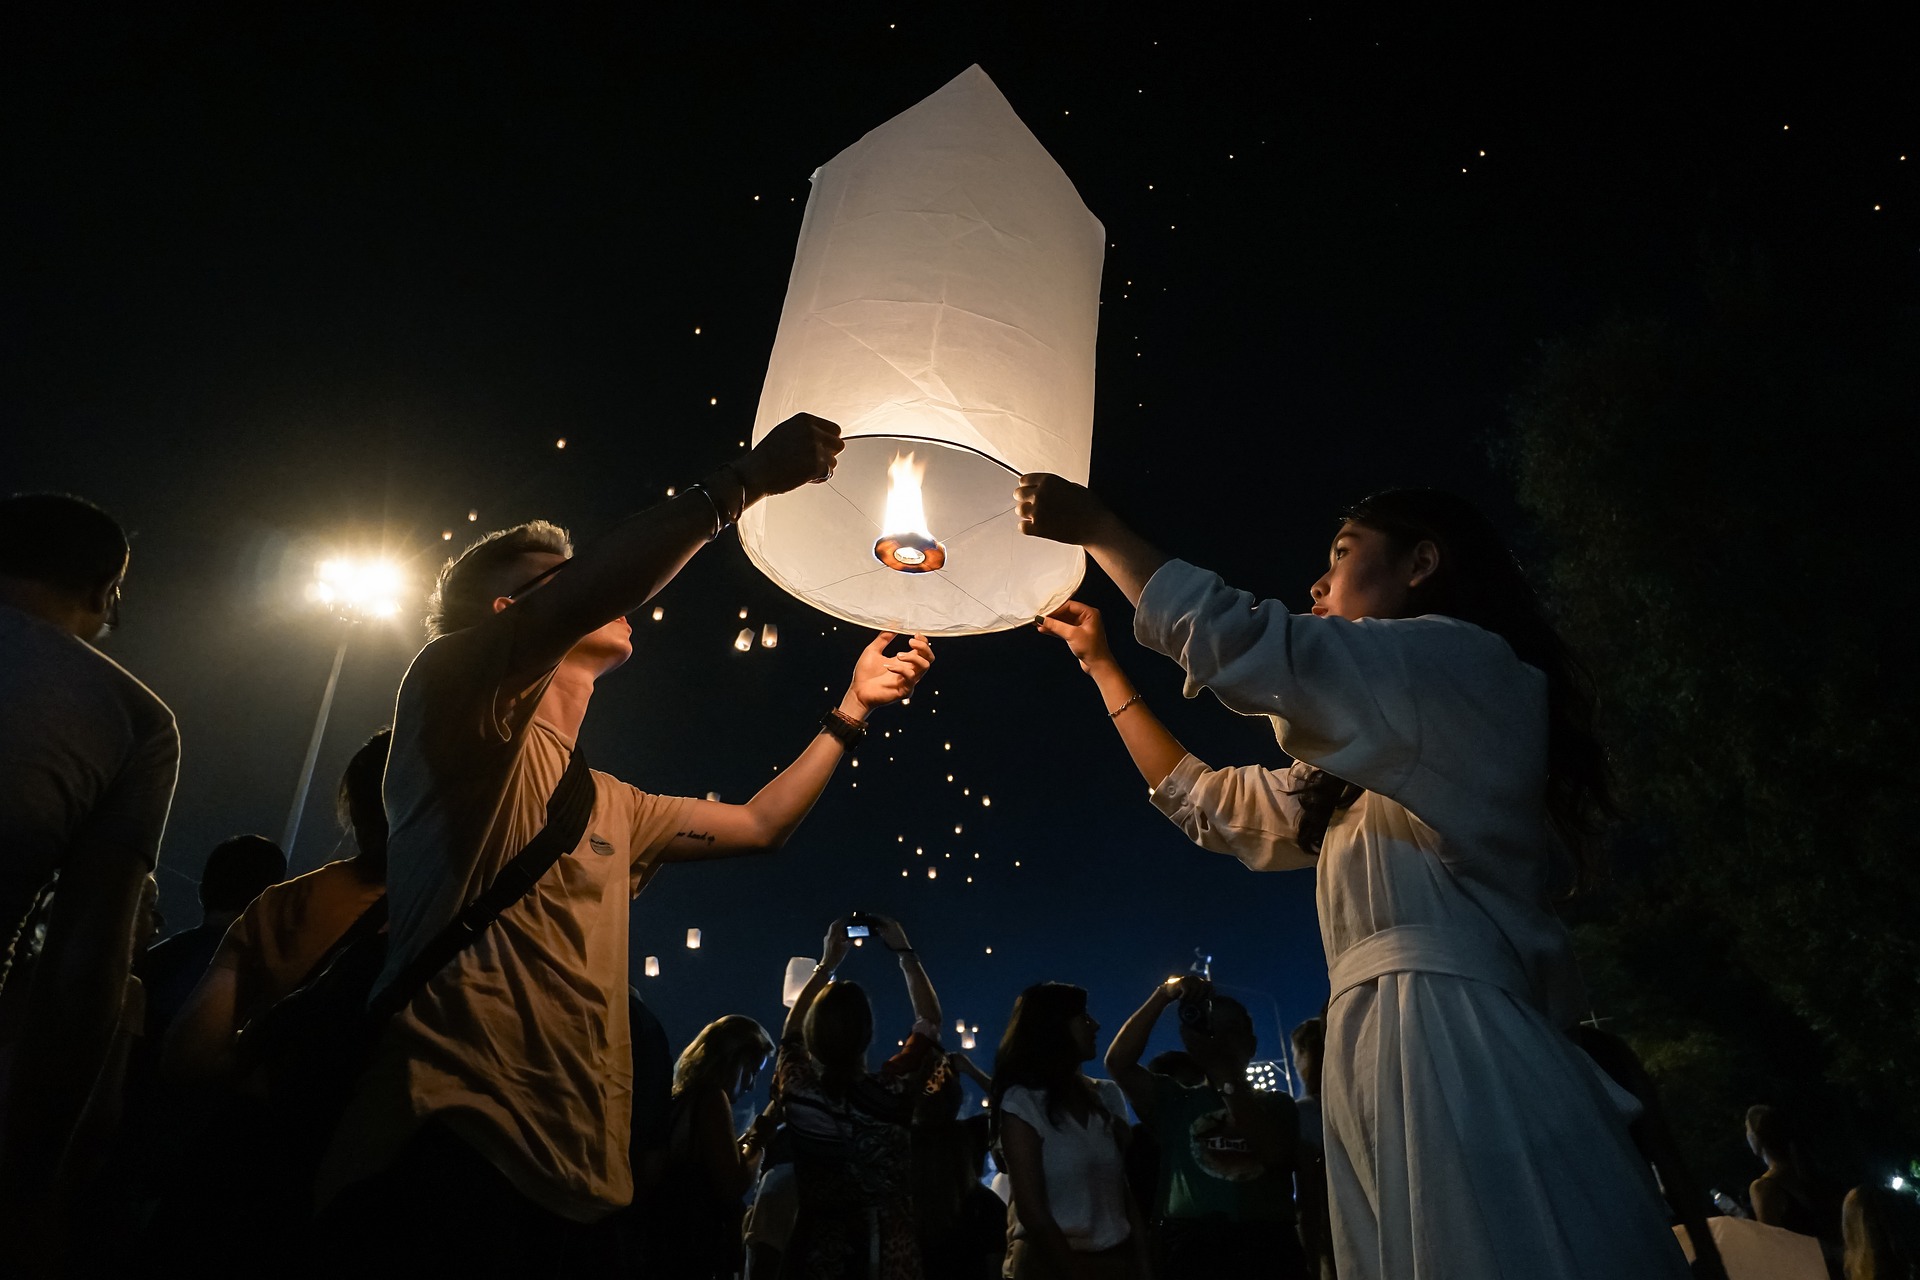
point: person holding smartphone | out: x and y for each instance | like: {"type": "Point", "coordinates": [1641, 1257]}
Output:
{"type": "Point", "coordinates": [1223, 1199]}
{"type": "Point", "coordinates": [850, 1128]}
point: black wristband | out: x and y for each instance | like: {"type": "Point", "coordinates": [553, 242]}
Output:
{"type": "Point", "coordinates": [845, 729]}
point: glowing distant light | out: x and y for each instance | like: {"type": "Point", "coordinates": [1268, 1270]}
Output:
{"type": "Point", "coordinates": [1483, 153]}
{"type": "Point", "coordinates": [966, 791]}
{"type": "Point", "coordinates": [949, 777]}
{"type": "Point", "coordinates": [900, 839]}
{"type": "Point", "coordinates": [903, 871]}
{"type": "Point", "coordinates": [769, 637]}
{"type": "Point", "coordinates": [713, 795]}
{"type": "Point", "coordinates": [856, 762]}
{"type": "Point", "coordinates": [653, 966]}
{"type": "Point", "coordinates": [446, 535]}
{"type": "Point", "coordinates": [1016, 862]}
{"type": "Point", "coordinates": [1785, 127]}
{"type": "Point", "coordinates": [744, 641]}
{"type": "Point", "coordinates": [1876, 208]}
{"type": "Point", "coordinates": [658, 613]}
{"type": "Point", "coordinates": [956, 828]}
{"type": "Point", "coordinates": [561, 443]}
{"type": "Point", "coordinates": [1898, 1183]}
{"type": "Point", "coordinates": [989, 950]}
{"type": "Point", "coordinates": [933, 873]}
{"type": "Point", "coordinates": [669, 491]}
{"type": "Point", "coordinates": [919, 851]}
{"type": "Point", "coordinates": [946, 746]}
{"type": "Point", "coordinates": [472, 516]}
{"type": "Point", "coordinates": [986, 802]}
{"type": "Point", "coordinates": [966, 1040]}
{"type": "Point", "coordinates": [969, 879]}
{"type": "Point", "coordinates": [696, 328]}
{"type": "Point", "coordinates": [713, 399]}
{"type": "Point", "coordinates": [693, 939]}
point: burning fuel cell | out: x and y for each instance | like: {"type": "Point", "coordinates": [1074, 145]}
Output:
{"type": "Point", "coordinates": [906, 546]}
{"type": "Point", "coordinates": [943, 310]}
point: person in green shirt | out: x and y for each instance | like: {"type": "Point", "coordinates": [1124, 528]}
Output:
{"type": "Point", "coordinates": [1223, 1205]}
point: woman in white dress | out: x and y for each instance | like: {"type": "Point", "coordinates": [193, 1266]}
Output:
{"type": "Point", "coordinates": [1444, 778]}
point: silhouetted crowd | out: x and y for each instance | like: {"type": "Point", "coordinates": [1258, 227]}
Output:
{"type": "Point", "coordinates": [427, 1059]}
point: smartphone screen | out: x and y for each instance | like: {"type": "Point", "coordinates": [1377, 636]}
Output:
{"type": "Point", "coordinates": [857, 931]}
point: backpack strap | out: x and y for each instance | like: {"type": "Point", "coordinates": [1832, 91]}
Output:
{"type": "Point", "coordinates": [568, 811]}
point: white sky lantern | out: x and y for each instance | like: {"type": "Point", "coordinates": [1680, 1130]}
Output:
{"type": "Point", "coordinates": [653, 966]}
{"type": "Point", "coordinates": [799, 973]}
{"type": "Point", "coordinates": [693, 939]}
{"type": "Point", "coordinates": [942, 309]}
{"type": "Point", "coordinates": [769, 637]}
{"type": "Point", "coordinates": [744, 641]}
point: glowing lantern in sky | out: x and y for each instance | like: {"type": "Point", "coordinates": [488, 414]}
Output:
{"type": "Point", "coordinates": [653, 966]}
{"type": "Point", "coordinates": [942, 309]}
{"type": "Point", "coordinates": [799, 973]}
{"type": "Point", "coordinates": [693, 939]}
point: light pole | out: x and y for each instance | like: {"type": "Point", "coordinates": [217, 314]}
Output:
{"type": "Point", "coordinates": [351, 591]}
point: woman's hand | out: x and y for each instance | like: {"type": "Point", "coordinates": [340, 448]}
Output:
{"type": "Point", "coordinates": [1059, 510]}
{"type": "Point", "coordinates": [1080, 626]}
{"type": "Point", "coordinates": [891, 933]}
{"type": "Point", "coordinates": [880, 678]}
{"type": "Point", "coordinates": [833, 949]}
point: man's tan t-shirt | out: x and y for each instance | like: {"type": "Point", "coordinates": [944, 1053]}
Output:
{"type": "Point", "coordinates": [287, 930]}
{"type": "Point", "coordinates": [520, 1045]}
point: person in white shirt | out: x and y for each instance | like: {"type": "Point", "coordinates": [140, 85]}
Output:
{"type": "Point", "coordinates": [1444, 768]}
{"type": "Point", "coordinates": [1063, 1137]}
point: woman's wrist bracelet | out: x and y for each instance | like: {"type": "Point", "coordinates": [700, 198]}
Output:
{"type": "Point", "coordinates": [850, 733]}
{"type": "Point", "coordinates": [720, 521]}
{"type": "Point", "coordinates": [1123, 706]}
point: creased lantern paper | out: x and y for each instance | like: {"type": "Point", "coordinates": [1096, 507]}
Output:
{"type": "Point", "coordinates": [944, 300]}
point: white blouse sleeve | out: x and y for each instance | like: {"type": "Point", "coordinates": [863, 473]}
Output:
{"type": "Point", "coordinates": [1028, 1105]}
{"type": "Point", "coordinates": [1339, 690]}
{"type": "Point", "coordinates": [1249, 812]}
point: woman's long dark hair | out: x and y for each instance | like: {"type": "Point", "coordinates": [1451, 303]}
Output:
{"type": "Point", "coordinates": [1479, 581]}
{"type": "Point", "coordinates": [1038, 1050]}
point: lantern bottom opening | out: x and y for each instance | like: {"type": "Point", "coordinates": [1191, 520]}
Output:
{"type": "Point", "coordinates": [910, 553]}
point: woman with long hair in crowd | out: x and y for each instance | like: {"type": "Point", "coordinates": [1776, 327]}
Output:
{"type": "Point", "coordinates": [850, 1127]}
{"type": "Point", "coordinates": [1446, 784]}
{"type": "Point", "coordinates": [1063, 1140]}
{"type": "Point", "coordinates": [691, 1224]}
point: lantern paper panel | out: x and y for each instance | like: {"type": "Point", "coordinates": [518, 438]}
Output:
{"type": "Point", "coordinates": [944, 302]}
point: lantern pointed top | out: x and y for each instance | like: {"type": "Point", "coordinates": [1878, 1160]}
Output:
{"type": "Point", "coordinates": [944, 301]}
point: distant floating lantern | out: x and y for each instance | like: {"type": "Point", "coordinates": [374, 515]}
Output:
{"type": "Point", "coordinates": [653, 966]}
{"type": "Point", "coordinates": [799, 974]}
{"type": "Point", "coordinates": [561, 443]}
{"type": "Point", "coordinates": [943, 310]}
{"type": "Point", "coordinates": [472, 516]}
{"type": "Point", "coordinates": [959, 1024]}
{"type": "Point", "coordinates": [933, 873]}
{"type": "Point", "coordinates": [658, 613]}
{"type": "Point", "coordinates": [966, 1040]}
{"type": "Point", "coordinates": [986, 802]}
{"type": "Point", "coordinates": [713, 795]}
{"type": "Point", "coordinates": [446, 535]}
{"type": "Point", "coordinates": [744, 641]}
{"type": "Point", "coordinates": [693, 939]}
{"type": "Point", "coordinates": [769, 637]}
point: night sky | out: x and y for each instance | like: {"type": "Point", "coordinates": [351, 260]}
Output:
{"type": "Point", "coordinates": [290, 280]}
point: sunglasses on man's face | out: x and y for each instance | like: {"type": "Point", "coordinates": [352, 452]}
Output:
{"type": "Point", "coordinates": [538, 579]}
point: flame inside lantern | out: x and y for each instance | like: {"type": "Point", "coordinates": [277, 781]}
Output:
{"type": "Point", "coordinates": [907, 545]}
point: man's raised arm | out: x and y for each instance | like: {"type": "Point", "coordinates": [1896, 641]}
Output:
{"type": "Point", "coordinates": [623, 570]}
